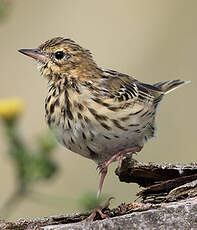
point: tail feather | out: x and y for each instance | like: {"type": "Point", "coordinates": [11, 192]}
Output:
{"type": "Point", "coordinates": [168, 86]}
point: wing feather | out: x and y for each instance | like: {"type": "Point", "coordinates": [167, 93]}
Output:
{"type": "Point", "coordinates": [124, 88]}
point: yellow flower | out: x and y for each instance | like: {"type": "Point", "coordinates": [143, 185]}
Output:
{"type": "Point", "coordinates": [11, 108]}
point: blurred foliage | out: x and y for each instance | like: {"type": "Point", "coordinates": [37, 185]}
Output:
{"type": "Point", "coordinates": [4, 8]}
{"type": "Point", "coordinates": [31, 165]}
{"type": "Point", "coordinates": [90, 201]}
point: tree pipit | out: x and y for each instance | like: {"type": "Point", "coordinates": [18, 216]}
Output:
{"type": "Point", "coordinates": [97, 113]}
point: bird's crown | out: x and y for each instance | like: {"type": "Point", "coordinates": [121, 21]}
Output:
{"type": "Point", "coordinates": [61, 56]}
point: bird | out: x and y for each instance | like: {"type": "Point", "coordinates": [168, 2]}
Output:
{"type": "Point", "coordinates": [98, 113]}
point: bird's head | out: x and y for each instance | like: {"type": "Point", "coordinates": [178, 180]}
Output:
{"type": "Point", "coordinates": [62, 57]}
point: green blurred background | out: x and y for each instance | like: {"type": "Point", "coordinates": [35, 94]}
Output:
{"type": "Point", "coordinates": [153, 40]}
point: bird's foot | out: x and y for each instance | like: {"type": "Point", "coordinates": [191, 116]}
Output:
{"type": "Point", "coordinates": [98, 210]}
{"type": "Point", "coordinates": [128, 156]}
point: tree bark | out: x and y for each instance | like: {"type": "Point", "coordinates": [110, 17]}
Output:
{"type": "Point", "coordinates": [162, 182]}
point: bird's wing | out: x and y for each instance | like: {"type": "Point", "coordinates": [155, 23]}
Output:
{"type": "Point", "coordinates": [123, 89]}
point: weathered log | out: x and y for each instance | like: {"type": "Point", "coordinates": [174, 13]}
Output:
{"type": "Point", "coordinates": [169, 201]}
{"type": "Point", "coordinates": [162, 182]}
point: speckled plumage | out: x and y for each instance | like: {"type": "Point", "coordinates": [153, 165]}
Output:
{"type": "Point", "coordinates": [92, 111]}
{"type": "Point", "coordinates": [96, 121]}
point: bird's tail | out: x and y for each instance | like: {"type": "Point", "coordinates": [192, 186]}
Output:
{"type": "Point", "coordinates": [168, 86]}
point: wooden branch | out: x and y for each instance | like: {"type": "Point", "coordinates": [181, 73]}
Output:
{"type": "Point", "coordinates": [169, 201]}
{"type": "Point", "coordinates": [162, 182]}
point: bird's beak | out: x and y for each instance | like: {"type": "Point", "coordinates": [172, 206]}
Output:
{"type": "Point", "coordinates": [34, 53]}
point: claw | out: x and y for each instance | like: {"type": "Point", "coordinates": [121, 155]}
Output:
{"type": "Point", "coordinates": [98, 166]}
{"type": "Point", "coordinates": [102, 168]}
{"type": "Point", "coordinates": [99, 210]}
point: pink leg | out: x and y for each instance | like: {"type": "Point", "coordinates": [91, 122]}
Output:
{"type": "Point", "coordinates": [103, 172]}
{"type": "Point", "coordinates": [104, 167]}
{"type": "Point", "coordinates": [120, 161]}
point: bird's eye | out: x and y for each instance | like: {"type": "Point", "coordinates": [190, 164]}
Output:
{"type": "Point", "coordinates": [59, 55]}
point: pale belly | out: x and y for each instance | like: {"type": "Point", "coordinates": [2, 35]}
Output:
{"type": "Point", "coordinates": [95, 142]}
